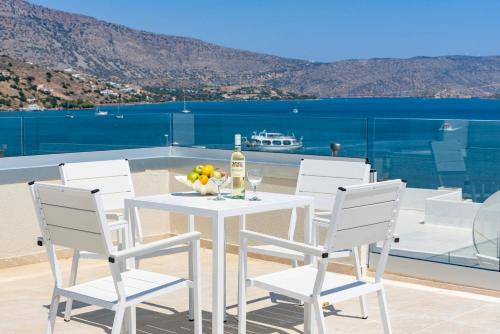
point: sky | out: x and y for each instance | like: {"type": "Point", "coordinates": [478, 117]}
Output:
{"type": "Point", "coordinates": [317, 30]}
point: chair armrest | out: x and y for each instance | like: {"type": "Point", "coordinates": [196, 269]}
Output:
{"type": "Point", "coordinates": [321, 222]}
{"type": "Point", "coordinates": [145, 249]}
{"type": "Point", "coordinates": [285, 243]}
{"type": "Point", "coordinates": [114, 216]}
{"type": "Point", "coordinates": [322, 213]}
{"type": "Point", "coordinates": [120, 224]}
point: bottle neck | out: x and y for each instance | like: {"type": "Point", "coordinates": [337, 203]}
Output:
{"type": "Point", "coordinates": [237, 148]}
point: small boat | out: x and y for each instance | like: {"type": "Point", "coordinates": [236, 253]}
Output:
{"type": "Point", "coordinates": [185, 110]}
{"type": "Point", "coordinates": [272, 142]}
{"type": "Point", "coordinates": [69, 116]}
{"type": "Point", "coordinates": [447, 126]}
{"type": "Point", "coordinates": [119, 116]}
{"type": "Point", "coordinates": [295, 110]}
{"type": "Point", "coordinates": [101, 113]}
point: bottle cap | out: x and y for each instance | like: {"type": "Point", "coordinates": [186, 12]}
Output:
{"type": "Point", "coordinates": [237, 139]}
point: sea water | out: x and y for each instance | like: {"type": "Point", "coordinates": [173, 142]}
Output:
{"type": "Point", "coordinates": [429, 142]}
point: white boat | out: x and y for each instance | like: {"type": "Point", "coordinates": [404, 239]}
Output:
{"type": "Point", "coordinates": [295, 110]}
{"type": "Point", "coordinates": [101, 113]}
{"type": "Point", "coordinates": [447, 126]}
{"type": "Point", "coordinates": [185, 110]}
{"type": "Point", "coordinates": [119, 116]}
{"type": "Point", "coordinates": [32, 107]}
{"type": "Point", "coordinates": [272, 142]}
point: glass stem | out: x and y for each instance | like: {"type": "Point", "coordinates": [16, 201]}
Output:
{"type": "Point", "coordinates": [254, 190]}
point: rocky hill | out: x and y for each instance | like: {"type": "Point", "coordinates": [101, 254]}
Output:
{"type": "Point", "coordinates": [59, 40]}
{"type": "Point", "coordinates": [24, 84]}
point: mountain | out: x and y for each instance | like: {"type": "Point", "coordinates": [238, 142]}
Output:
{"type": "Point", "coordinates": [60, 40]}
{"type": "Point", "coordinates": [24, 84]}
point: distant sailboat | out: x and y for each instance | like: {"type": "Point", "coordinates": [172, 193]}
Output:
{"type": "Point", "coordinates": [185, 110]}
{"type": "Point", "coordinates": [100, 112]}
{"type": "Point", "coordinates": [119, 115]}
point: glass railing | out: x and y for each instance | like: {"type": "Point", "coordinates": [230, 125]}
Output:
{"type": "Point", "coordinates": [451, 167]}
{"type": "Point", "coordinates": [311, 135]}
{"type": "Point", "coordinates": [63, 134]}
{"type": "Point", "coordinates": [11, 136]}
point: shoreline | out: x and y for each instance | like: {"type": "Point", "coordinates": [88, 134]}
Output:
{"type": "Point", "coordinates": [257, 100]}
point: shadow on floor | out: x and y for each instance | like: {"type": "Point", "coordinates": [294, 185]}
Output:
{"type": "Point", "coordinates": [285, 316]}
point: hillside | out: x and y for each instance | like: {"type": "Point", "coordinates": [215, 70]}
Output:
{"type": "Point", "coordinates": [23, 84]}
{"type": "Point", "coordinates": [60, 40]}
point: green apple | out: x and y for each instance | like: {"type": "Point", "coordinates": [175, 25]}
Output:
{"type": "Point", "coordinates": [193, 176]}
{"type": "Point", "coordinates": [217, 175]}
{"type": "Point", "coordinates": [198, 169]}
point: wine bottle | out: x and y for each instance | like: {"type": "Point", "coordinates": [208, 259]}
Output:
{"type": "Point", "coordinates": [237, 170]}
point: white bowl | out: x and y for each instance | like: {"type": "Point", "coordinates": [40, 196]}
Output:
{"type": "Point", "coordinates": [208, 189]}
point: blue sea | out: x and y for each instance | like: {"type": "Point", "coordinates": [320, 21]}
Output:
{"type": "Point", "coordinates": [429, 142]}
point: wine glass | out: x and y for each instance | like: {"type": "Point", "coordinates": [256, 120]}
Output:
{"type": "Point", "coordinates": [254, 176]}
{"type": "Point", "coordinates": [219, 182]}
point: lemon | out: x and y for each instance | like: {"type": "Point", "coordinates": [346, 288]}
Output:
{"type": "Point", "coordinates": [203, 179]}
{"type": "Point", "coordinates": [207, 170]}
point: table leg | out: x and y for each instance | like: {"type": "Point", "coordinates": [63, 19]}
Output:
{"type": "Point", "coordinates": [218, 279]}
{"type": "Point", "coordinates": [242, 226]}
{"type": "Point", "coordinates": [308, 238]}
{"type": "Point", "coordinates": [191, 295]}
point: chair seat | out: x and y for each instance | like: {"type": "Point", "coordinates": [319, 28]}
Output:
{"type": "Point", "coordinates": [139, 285]}
{"type": "Point", "coordinates": [276, 251]}
{"type": "Point", "coordinates": [299, 283]}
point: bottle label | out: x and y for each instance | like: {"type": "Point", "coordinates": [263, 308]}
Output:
{"type": "Point", "coordinates": [237, 168]}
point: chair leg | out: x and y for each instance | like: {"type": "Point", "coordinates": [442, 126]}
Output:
{"type": "Point", "coordinates": [320, 318]}
{"type": "Point", "coordinates": [54, 305]}
{"type": "Point", "coordinates": [242, 307]}
{"type": "Point", "coordinates": [383, 310]}
{"type": "Point", "coordinates": [72, 281]}
{"type": "Point", "coordinates": [118, 321]}
{"type": "Point", "coordinates": [359, 276]}
{"type": "Point", "coordinates": [196, 290]}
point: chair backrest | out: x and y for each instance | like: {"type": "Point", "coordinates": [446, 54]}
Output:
{"type": "Point", "coordinates": [72, 217]}
{"type": "Point", "coordinates": [322, 178]}
{"type": "Point", "coordinates": [364, 214]}
{"type": "Point", "coordinates": [112, 178]}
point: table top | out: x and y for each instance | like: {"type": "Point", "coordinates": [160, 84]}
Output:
{"type": "Point", "coordinates": [193, 203]}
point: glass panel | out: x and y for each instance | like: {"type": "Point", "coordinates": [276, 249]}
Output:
{"type": "Point", "coordinates": [10, 136]}
{"type": "Point", "coordinates": [451, 167]}
{"type": "Point", "coordinates": [301, 134]}
{"type": "Point", "coordinates": [77, 133]}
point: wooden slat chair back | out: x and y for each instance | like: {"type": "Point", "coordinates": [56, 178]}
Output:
{"type": "Point", "coordinates": [322, 178]}
{"type": "Point", "coordinates": [73, 218]}
{"type": "Point", "coordinates": [111, 177]}
{"type": "Point", "coordinates": [364, 214]}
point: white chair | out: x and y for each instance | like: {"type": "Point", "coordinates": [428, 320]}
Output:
{"type": "Point", "coordinates": [362, 214]}
{"type": "Point", "coordinates": [75, 218]}
{"type": "Point", "coordinates": [321, 179]}
{"type": "Point", "coordinates": [114, 180]}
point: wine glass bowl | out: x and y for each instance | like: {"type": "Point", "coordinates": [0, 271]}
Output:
{"type": "Point", "coordinates": [219, 182]}
{"type": "Point", "coordinates": [254, 176]}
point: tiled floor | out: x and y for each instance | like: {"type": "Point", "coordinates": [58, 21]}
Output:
{"type": "Point", "coordinates": [25, 293]}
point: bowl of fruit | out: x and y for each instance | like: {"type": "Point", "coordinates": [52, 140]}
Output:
{"type": "Point", "coordinates": [205, 179]}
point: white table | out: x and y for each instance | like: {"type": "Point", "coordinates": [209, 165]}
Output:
{"type": "Point", "coordinates": [193, 204]}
